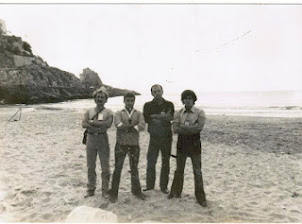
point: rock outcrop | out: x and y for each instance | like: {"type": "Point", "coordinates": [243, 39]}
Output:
{"type": "Point", "coordinates": [90, 79]}
{"type": "Point", "coordinates": [26, 78]}
{"type": "Point", "coordinates": [39, 84]}
{"type": "Point", "coordinates": [2, 27]}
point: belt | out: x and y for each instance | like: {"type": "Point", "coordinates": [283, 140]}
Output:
{"type": "Point", "coordinates": [96, 133]}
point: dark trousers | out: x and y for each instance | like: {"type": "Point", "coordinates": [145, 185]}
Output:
{"type": "Point", "coordinates": [178, 180]}
{"type": "Point", "coordinates": [120, 153]}
{"type": "Point", "coordinates": [98, 144]}
{"type": "Point", "coordinates": [157, 144]}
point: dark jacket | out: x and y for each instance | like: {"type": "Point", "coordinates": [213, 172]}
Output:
{"type": "Point", "coordinates": [162, 129]}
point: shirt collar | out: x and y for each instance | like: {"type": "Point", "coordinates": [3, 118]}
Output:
{"type": "Point", "coordinates": [192, 110]}
{"type": "Point", "coordinates": [97, 110]}
{"type": "Point", "coordinates": [133, 109]}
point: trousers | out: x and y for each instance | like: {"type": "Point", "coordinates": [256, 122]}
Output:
{"type": "Point", "coordinates": [98, 145]}
{"type": "Point", "coordinates": [133, 152]}
{"type": "Point", "coordinates": [177, 185]}
{"type": "Point", "coordinates": [156, 144]}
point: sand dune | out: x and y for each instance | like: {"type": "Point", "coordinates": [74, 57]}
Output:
{"type": "Point", "coordinates": [252, 171]}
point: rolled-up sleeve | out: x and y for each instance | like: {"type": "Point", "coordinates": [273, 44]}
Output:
{"type": "Point", "coordinates": [117, 119]}
{"type": "Point", "coordinates": [176, 118]}
{"type": "Point", "coordinates": [201, 118]}
{"type": "Point", "coordinates": [85, 119]}
{"type": "Point", "coordinates": [202, 114]}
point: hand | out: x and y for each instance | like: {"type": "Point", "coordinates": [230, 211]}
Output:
{"type": "Point", "coordinates": [183, 126]}
{"type": "Point", "coordinates": [126, 127]}
{"type": "Point", "coordinates": [130, 126]}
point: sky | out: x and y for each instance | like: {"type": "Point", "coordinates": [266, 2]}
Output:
{"type": "Point", "coordinates": [199, 47]}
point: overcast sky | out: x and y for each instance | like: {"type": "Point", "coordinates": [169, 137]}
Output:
{"type": "Point", "coordinates": [202, 47]}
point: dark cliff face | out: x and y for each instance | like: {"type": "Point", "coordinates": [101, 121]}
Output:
{"type": "Point", "coordinates": [26, 78]}
{"type": "Point", "coordinates": [38, 84]}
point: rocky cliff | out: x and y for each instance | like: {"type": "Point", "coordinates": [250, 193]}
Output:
{"type": "Point", "coordinates": [39, 84]}
{"type": "Point", "coordinates": [26, 78]}
{"type": "Point", "coordinates": [90, 78]}
{"type": "Point", "coordinates": [2, 26]}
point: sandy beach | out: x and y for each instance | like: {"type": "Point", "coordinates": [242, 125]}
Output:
{"type": "Point", "coordinates": [251, 166]}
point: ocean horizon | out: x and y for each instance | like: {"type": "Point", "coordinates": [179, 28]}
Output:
{"type": "Point", "coordinates": [258, 103]}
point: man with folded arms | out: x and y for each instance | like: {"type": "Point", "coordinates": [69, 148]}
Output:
{"type": "Point", "coordinates": [158, 114]}
{"type": "Point", "coordinates": [128, 122]}
{"type": "Point", "coordinates": [97, 120]}
{"type": "Point", "coordinates": [188, 123]}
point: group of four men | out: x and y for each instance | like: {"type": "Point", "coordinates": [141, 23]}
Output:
{"type": "Point", "coordinates": [159, 115]}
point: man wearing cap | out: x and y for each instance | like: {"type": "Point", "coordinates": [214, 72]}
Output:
{"type": "Point", "coordinates": [158, 114]}
{"type": "Point", "coordinates": [97, 120]}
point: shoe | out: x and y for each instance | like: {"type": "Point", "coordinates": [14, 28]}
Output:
{"type": "Point", "coordinates": [141, 196]}
{"type": "Point", "coordinates": [203, 203]}
{"type": "Point", "coordinates": [90, 193]}
{"type": "Point", "coordinates": [170, 196]}
{"type": "Point", "coordinates": [165, 191]}
{"type": "Point", "coordinates": [105, 194]}
{"type": "Point", "coordinates": [112, 199]}
{"type": "Point", "coordinates": [148, 189]}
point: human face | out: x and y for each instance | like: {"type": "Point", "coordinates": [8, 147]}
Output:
{"type": "Point", "coordinates": [100, 99]}
{"type": "Point", "coordinates": [157, 92]}
{"type": "Point", "coordinates": [188, 102]}
{"type": "Point", "coordinates": [129, 102]}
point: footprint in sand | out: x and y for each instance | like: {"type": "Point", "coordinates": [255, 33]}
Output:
{"type": "Point", "coordinates": [77, 183]}
{"type": "Point", "coordinates": [127, 201]}
{"type": "Point", "coordinates": [295, 211]}
{"type": "Point", "coordinates": [47, 216]}
{"type": "Point", "coordinates": [63, 184]}
{"type": "Point", "coordinates": [235, 208]}
{"type": "Point", "coordinates": [46, 193]}
{"type": "Point", "coordinates": [253, 203]}
{"type": "Point", "coordinates": [51, 182]}
{"type": "Point", "coordinates": [32, 216]}
{"type": "Point", "coordinates": [104, 205]}
{"type": "Point", "coordinates": [29, 191]}
{"type": "Point", "coordinates": [277, 216]}
{"type": "Point", "coordinates": [46, 200]}
{"type": "Point", "coordinates": [244, 214]}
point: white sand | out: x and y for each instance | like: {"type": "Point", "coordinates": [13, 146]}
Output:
{"type": "Point", "coordinates": [43, 172]}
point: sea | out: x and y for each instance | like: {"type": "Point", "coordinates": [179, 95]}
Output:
{"type": "Point", "coordinates": [256, 104]}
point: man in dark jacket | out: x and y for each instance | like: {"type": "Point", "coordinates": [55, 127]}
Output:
{"type": "Point", "coordinates": [158, 114]}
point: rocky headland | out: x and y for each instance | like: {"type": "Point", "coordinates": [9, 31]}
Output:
{"type": "Point", "coordinates": [27, 78]}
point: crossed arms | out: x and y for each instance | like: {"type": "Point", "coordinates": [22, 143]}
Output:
{"type": "Point", "coordinates": [95, 125]}
{"type": "Point", "coordinates": [140, 126]}
{"type": "Point", "coordinates": [189, 130]}
{"type": "Point", "coordinates": [157, 118]}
